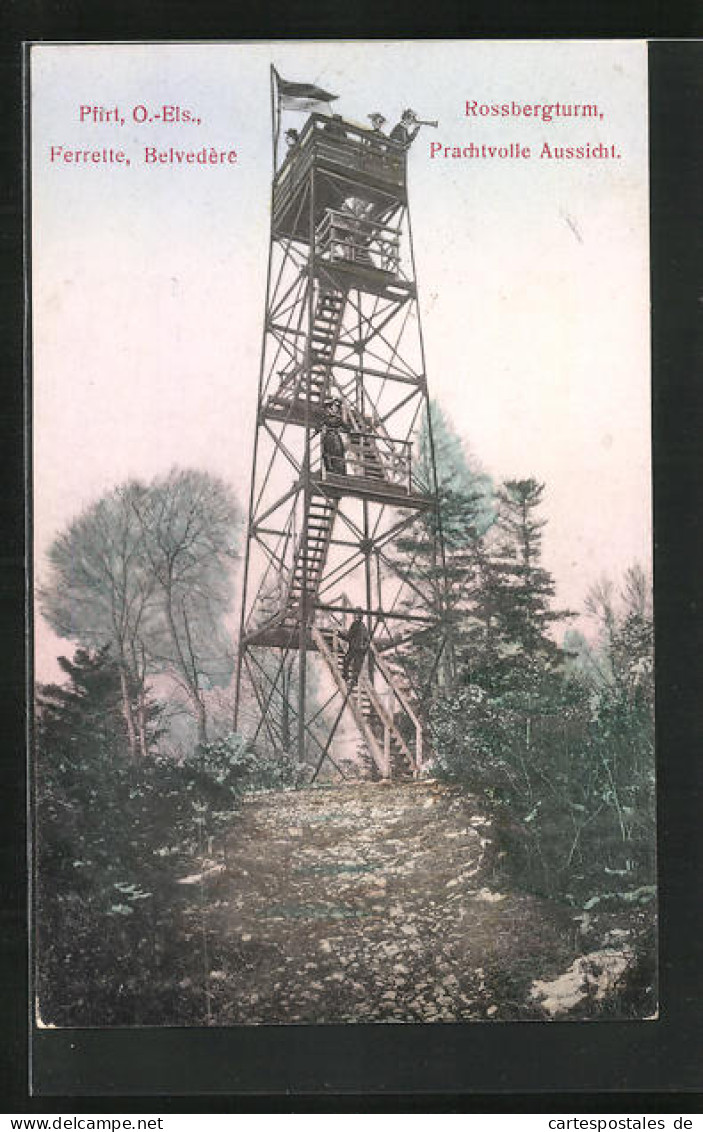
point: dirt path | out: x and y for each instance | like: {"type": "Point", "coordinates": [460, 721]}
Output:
{"type": "Point", "coordinates": [372, 903]}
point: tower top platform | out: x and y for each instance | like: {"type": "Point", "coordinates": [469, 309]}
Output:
{"type": "Point", "coordinates": [353, 161]}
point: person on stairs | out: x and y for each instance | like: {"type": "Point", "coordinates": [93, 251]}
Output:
{"type": "Point", "coordinates": [333, 456]}
{"type": "Point", "coordinates": [357, 638]}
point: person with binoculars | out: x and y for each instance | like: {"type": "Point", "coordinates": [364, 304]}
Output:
{"type": "Point", "coordinates": [408, 128]}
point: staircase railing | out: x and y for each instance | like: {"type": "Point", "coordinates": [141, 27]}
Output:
{"type": "Point", "coordinates": [370, 453]}
{"type": "Point", "coordinates": [330, 654]}
{"type": "Point", "coordinates": [404, 703]}
{"type": "Point", "coordinates": [342, 236]}
{"type": "Point", "coordinates": [387, 703]}
{"type": "Point", "coordinates": [371, 456]}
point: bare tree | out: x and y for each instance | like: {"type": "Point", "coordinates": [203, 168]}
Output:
{"type": "Point", "coordinates": [625, 620]}
{"type": "Point", "coordinates": [99, 593]}
{"type": "Point", "coordinates": [189, 522]}
{"type": "Point", "coordinates": [147, 571]}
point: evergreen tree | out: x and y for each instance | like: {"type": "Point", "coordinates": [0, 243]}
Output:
{"type": "Point", "coordinates": [526, 588]}
{"type": "Point", "coordinates": [88, 708]}
{"type": "Point", "coordinates": [439, 551]}
{"type": "Point", "coordinates": [513, 730]}
{"type": "Point", "coordinates": [513, 599]}
{"type": "Point", "coordinates": [94, 839]}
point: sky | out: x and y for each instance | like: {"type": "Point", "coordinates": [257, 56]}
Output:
{"type": "Point", "coordinates": [148, 280]}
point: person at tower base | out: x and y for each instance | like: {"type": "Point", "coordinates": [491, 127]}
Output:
{"type": "Point", "coordinates": [406, 130]}
{"type": "Point", "coordinates": [357, 638]}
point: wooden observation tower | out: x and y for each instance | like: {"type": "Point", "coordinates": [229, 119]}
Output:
{"type": "Point", "coordinates": [342, 395]}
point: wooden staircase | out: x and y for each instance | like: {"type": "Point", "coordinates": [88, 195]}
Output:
{"type": "Point", "coordinates": [311, 555]}
{"type": "Point", "coordinates": [363, 455]}
{"type": "Point", "coordinates": [292, 393]}
{"type": "Point", "coordinates": [378, 721]}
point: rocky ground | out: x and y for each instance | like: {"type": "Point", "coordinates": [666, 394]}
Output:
{"type": "Point", "coordinates": [373, 903]}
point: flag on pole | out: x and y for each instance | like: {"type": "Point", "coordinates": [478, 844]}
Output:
{"type": "Point", "coordinates": [302, 96]}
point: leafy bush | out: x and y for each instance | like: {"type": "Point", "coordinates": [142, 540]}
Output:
{"type": "Point", "coordinates": [114, 836]}
{"type": "Point", "coordinates": [233, 763]}
{"type": "Point", "coordinates": [573, 801]}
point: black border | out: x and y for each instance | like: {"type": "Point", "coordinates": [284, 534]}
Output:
{"type": "Point", "coordinates": [13, 945]}
{"type": "Point", "coordinates": [506, 1065]}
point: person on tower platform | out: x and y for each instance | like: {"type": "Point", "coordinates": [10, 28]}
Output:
{"type": "Point", "coordinates": [333, 456]}
{"type": "Point", "coordinates": [377, 121]}
{"type": "Point", "coordinates": [357, 638]}
{"type": "Point", "coordinates": [377, 139]}
{"type": "Point", "coordinates": [334, 127]}
{"type": "Point", "coordinates": [407, 129]}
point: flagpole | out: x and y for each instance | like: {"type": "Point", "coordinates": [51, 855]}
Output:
{"type": "Point", "coordinates": [275, 114]}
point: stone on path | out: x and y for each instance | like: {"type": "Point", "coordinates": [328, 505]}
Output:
{"type": "Point", "coordinates": [372, 903]}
